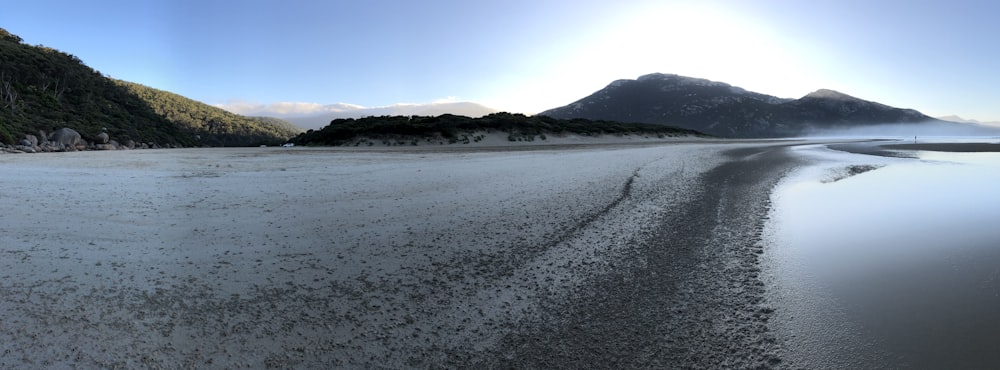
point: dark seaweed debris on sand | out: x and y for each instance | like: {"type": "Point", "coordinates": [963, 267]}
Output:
{"type": "Point", "coordinates": [852, 170]}
{"type": "Point", "coordinates": [691, 298]}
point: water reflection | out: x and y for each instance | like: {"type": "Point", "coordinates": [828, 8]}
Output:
{"type": "Point", "coordinates": [908, 252]}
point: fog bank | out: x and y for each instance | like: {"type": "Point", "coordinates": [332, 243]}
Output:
{"type": "Point", "coordinates": [932, 128]}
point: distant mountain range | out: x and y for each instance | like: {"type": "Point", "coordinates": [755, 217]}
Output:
{"type": "Point", "coordinates": [721, 109]}
{"type": "Point", "coordinates": [43, 89]}
{"type": "Point", "coordinates": [954, 118]}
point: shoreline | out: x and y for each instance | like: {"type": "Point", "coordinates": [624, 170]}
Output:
{"type": "Point", "coordinates": [947, 147]}
{"type": "Point", "coordinates": [491, 142]}
{"type": "Point", "coordinates": [905, 149]}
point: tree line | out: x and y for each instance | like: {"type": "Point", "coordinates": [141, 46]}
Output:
{"type": "Point", "coordinates": [451, 127]}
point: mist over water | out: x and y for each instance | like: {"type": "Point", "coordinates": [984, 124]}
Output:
{"type": "Point", "coordinates": [936, 129]}
{"type": "Point", "coordinates": [896, 259]}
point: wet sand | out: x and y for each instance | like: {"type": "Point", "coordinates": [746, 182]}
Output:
{"type": "Point", "coordinates": [897, 148]}
{"type": "Point", "coordinates": [593, 256]}
{"type": "Point", "coordinates": [689, 295]}
{"type": "Point", "coordinates": [947, 147]}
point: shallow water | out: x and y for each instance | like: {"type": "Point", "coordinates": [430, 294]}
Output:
{"type": "Point", "coordinates": [895, 266]}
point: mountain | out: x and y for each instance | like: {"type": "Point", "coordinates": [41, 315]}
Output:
{"type": "Point", "coordinates": [954, 118]}
{"type": "Point", "coordinates": [721, 109]}
{"type": "Point", "coordinates": [829, 108]}
{"type": "Point", "coordinates": [315, 116]}
{"type": "Point", "coordinates": [43, 89]}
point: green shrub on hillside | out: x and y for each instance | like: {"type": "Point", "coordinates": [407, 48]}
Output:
{"type": "Point", "coordinates": [450, 127]}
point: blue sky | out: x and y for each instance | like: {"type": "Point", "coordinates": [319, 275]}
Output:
{"type": "Point", "coordinates": [528, 55]}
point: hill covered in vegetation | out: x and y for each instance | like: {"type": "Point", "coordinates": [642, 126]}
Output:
{"type": "Point", "coordinates": [412, 130]}
{"type": "Point", "coordinates": [214, 126]}
{"type": "Point", "coordinates": [43, 89]}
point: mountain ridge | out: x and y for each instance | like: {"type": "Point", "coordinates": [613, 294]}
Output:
{"type": "Point", "coordinates": [958, 119]}
{"type": "Point", "coordinates": [721, 109]}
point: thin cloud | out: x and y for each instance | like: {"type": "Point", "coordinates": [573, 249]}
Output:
{"type": "Point", "coordinates": [286, 109]}
{"type": "Point", "coordinates": [307, 109]}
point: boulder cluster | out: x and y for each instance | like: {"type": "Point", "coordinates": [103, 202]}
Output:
{"type": "Point", "coordinates": [69, 140]}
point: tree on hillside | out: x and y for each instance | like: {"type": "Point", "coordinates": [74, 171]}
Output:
{"type": "Point", "coordinates": [7, 36]}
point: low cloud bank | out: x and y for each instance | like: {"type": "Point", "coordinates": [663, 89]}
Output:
{"type": "Point", "coordinates": [315, 116]}
{"type": "Point", "coordinates": [286, 109]}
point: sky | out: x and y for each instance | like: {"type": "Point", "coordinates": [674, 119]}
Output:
{"type": "Point", "coordinates": [526, 56]}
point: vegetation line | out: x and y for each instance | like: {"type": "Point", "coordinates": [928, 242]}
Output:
{"type": "Point", "coordinates": [451, 129]}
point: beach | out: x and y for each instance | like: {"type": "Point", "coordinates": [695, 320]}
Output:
{"type": "Point", "coordinates": [646, 255]}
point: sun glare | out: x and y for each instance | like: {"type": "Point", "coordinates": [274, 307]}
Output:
{"type": "Point", "coordinates": [718, 42]}
{"type": "Point", "coordinates": [721, 42]}
{"type": "Point", "coordinates": [712, 42]}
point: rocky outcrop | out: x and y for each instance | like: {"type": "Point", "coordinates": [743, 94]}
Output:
{"type": "Point", "coordinates": [110, 145]}
{"type": "Point", "coordinates": [66, 139]}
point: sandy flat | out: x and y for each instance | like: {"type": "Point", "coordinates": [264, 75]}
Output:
{"type": "Point", "coordinates": [266, 257]}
